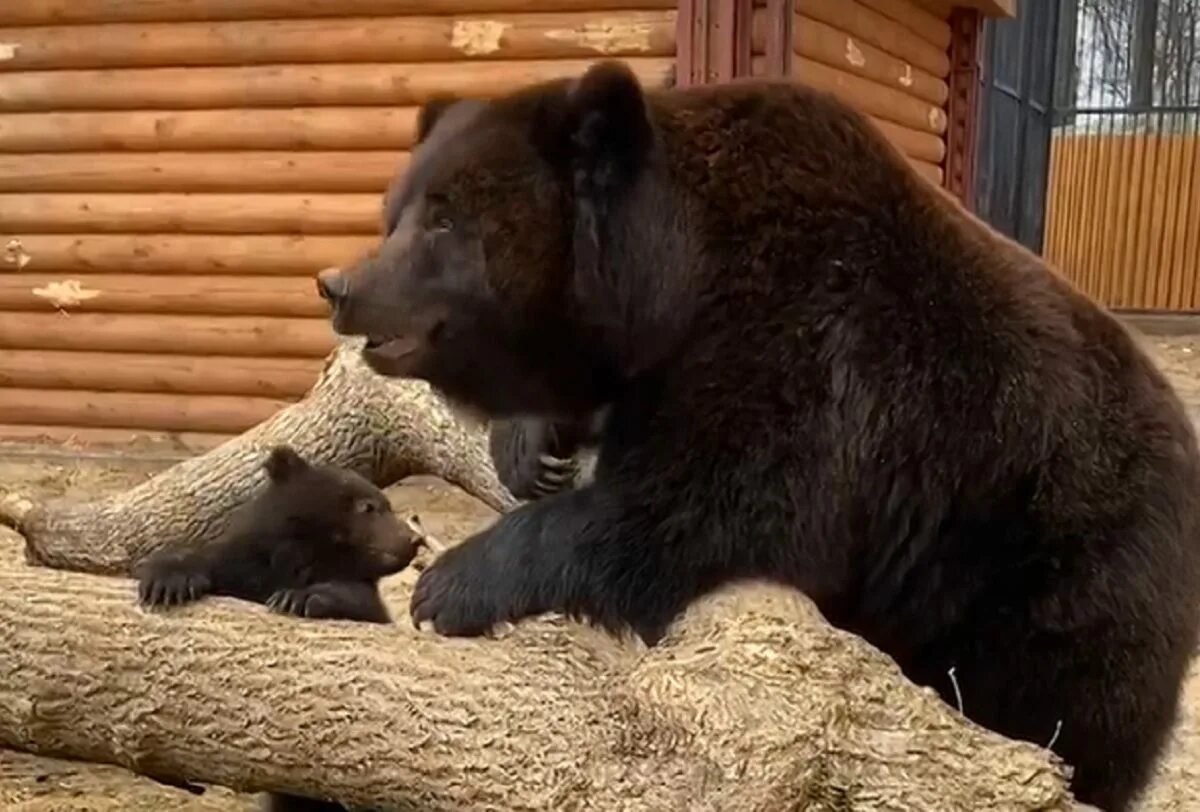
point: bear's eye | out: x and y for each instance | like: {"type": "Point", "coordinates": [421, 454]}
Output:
{"type": "Point", "coordinates": [442, 225]}
{"type": "Point", "coordinates": [365, 506]}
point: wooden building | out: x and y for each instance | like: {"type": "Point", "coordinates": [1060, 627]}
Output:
{"type": "Point", "coordinates": [173, 172]}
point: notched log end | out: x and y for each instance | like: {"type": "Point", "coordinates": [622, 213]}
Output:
{"type": "Point", "coordinates": [16, 510]}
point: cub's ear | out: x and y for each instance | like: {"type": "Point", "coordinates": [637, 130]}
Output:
{"type": "Point", "coordinates": [601, 128]}
{"type": "Point", "coordinates": [430, 112]}
{"type": "Point", "coordinates": [283, 463]}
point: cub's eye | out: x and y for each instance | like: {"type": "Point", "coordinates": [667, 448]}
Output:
{"type": "Point", "coordinates": [365, 506]}
{"type": "Point", "coordinates": [442, 225]}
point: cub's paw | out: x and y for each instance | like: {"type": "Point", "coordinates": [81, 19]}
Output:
{"type": "Point", "coordinates": [464, 594]}
{"type": "Point", "coordinates": [172, 587]}
{"type": "Point", "coordinates": [555, 474]}
{"type": "Point", "coordinates": [310, 601]}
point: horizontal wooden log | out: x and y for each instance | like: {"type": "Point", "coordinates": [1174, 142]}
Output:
{"type": "Point", "coordinates": [318, 128]}
{"type": "Point", "coordinates": [386, 429]}
{"type": "Point", "coordinates": [345, 39]}
{"type": "Point", "coordinates": [828, 45]}
{"type": "Point", "coordinates": [938, 8]}
{"type": "Point", "coordinates": [37, 784]}
{"type": "Point", "coordinates": [380, 84]}
{"type": "Point", "coordinates": [135, 410]}
{"type": "Point", "coordinates": [923, 146]}
{"type": "Point", "coordinates": [236, 254]}
{"type": "Point", "coordinates": [61, 12]}
{"type": "Point", "coordinates": [874, 28]}
{"type": "Point", "coordinates": [929, 171]}
{"type": "Point", "coordinates": [871, 97]}
{"type": "Point", "coordinates": [199, 171]}
{"type": "Point", "coordinates": [281, 378]}
{"type": "Point", "coordinates": [181, 443]}
{"type": "Point", "coordinates": [929, 26]}
{"type": "Point", "coordinates": [133, 293]}
{"type": "Point", "coordinates": [182, 335]}
{"type": "Point", "coordinates": [192, 213]}
{"type": "Point", "coordinates": [743, 707]}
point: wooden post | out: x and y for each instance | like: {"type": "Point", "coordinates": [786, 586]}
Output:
{"type": "Point", "coordinates": [713, 41]}
{"type": "Point", "coordinates": [780, 22]}
{"type": "Point", "coordinates": [962, 108]}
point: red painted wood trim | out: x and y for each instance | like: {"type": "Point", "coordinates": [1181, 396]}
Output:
{"type": "Point", "coordinates": [713, 41]}
{"type": "Point", "coordinates": [962, 108]}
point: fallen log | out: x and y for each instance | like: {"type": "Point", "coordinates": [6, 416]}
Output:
{"type": "Point", "coordinates": [751, 702]}
{"type": "Point", "coordinates": [38, 784]}
{"type": "Point", "coordinates": [384, 429]}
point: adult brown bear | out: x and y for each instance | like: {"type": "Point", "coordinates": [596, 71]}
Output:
{"type": "Point", "coordinates": [819, 371]}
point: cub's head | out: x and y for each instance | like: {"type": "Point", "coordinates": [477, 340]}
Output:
{"type": "Point", "coordinates": [325, 518]}
{"type": "Point", "coordinates": [487, 279]}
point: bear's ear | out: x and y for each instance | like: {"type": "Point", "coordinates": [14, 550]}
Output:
{"type": "Point", "coordinates": [601, 128]}
{"type": "Point", "coordinates": [430, 112]}
{"type": "Point", "coordinates": [283, 463]}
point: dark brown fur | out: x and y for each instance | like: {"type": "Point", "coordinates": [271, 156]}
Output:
{"type": "Point", "coordinates": [314, 542]}
{"type": "Point", "coordinates": [821, 372]}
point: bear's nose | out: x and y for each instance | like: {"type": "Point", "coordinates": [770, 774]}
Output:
{"type": "Point", "coordinates": [332, 285]}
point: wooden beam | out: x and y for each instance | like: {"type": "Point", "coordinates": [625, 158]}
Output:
{"type": "Point", "coordinates": [989, 8]}
{"type": "Point", "coordinates": [713, 41]}
{"type": "Point", "coordinates": [780, 33]}
{"type": "Point", "coordinates": [962, 109]}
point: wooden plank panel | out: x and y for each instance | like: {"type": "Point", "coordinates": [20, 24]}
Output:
{"type": "Point", "coordinates": [141, 410]}
{"type": "Point", "coordinates": [179, 335]}
{"type": "Point", "coordinates": [260, 254]}
{"type": "Point", "coordinates": [131, 293]}
{"type": "Point", "coordinates": [61, 12]}
{"type": "Point", "coordinates": [301, 128]}
{"type": "Point", "coordinates": [1189, 253]}
{"type": "Point", "coordinates": [281, 378]}
{"type": "Point", "coordinates": [1154, 224]}
{"type": "Point", "coordinates": [1122, 214]}
{"type": "Point", "coordinates": [364, 171]}
{"type": "Point", "coordinates": [192, 213]}
{"type": "Point", "coordinates": [341, 85]}
{"type": "Point", "coordinates": [878, 30]}
{"type": "Point", "coordinates": [344, 39]}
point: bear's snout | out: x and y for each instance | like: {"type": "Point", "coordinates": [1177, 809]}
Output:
{"type": "Point", "coordinates": [332, 286]}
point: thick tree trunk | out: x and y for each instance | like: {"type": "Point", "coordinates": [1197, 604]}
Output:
{"type": "Point", "coordinates": [751, 703]}
{"type": "Point", "coordinates": [38, 784]}
{"type": "Point", "coordinates": [385, 429]}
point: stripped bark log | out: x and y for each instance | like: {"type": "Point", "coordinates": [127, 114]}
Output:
{"type": "Point", "coordinates": [38, 784]}
{"type": "Point", "coordinates": [752, 702]}
{"type": "Point", "coordinates": [384, 429]}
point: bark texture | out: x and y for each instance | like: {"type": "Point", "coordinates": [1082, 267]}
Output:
{"type": "Point", "coordinates": [384, 429]}
{"type": "Point", "coordinates": [751, 703]}
{"type": "Point", "coordinates": [37, 784]}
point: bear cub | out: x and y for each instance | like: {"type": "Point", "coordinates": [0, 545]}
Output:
{"type": "Point", "coordinates": [313, 543]}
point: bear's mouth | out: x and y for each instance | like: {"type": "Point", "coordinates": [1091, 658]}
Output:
{"type": "Point", "coordinates": [393, 346]}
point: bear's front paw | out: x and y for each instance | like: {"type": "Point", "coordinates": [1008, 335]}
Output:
{"type": "Point", "coordinates": [462, 595]}
{"type": "Point", "coordinates": [311, 602]}
{"type": "Point", "coordinates": [172, 587]}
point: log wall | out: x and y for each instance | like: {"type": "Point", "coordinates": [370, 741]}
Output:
{"type": "Point", "coordinates": [173, 172]}
{"type": "Point", "coordinates": [888, 58]}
